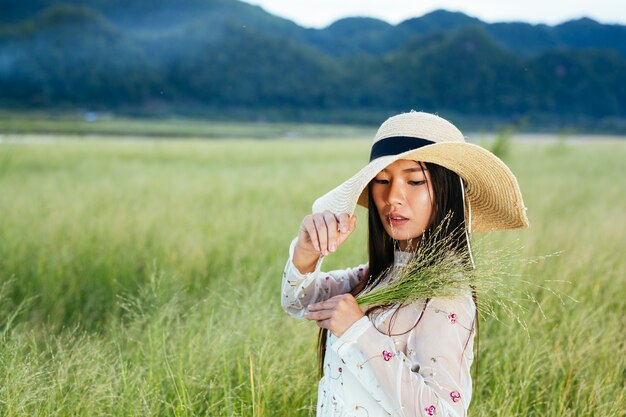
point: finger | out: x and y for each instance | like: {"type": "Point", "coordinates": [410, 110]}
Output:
{"type": "Point", "coordinates": [344, 223]}
{"type": "Point", "coordinates": [309, 226]}
{"type": "Point", "coordinates": [352, 223]}
{"type": "Point", "coordinates": [331, 227]}
{"type": "Point", "coordinates": [323, 324]}
{"type": "Point", "coordinates": [324, 305]}
{"type": "Point", "coordinates": [318, 315]}
{"type": "Point", "coordinates": [322, 234]}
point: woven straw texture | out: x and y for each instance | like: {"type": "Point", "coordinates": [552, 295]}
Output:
{"type": "Point", "coordinates": [419, 125]}
{"type": "Point", "coordinates": [492, 192]}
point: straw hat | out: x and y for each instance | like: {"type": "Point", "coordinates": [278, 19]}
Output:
{"type": "Point", "coordinates": [493, 197]}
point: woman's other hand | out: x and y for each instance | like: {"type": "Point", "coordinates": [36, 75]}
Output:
{"type": "Point", "coordinates": [320, 234]}
{"type": "Point", "coordinates": [336, 314]}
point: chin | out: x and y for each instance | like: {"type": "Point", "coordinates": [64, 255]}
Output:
{"type": "Point", "coordinates": [401, 236]}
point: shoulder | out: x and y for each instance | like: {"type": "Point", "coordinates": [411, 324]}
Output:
{"type": "Point", "coordinates": [459, 309]}
{"type": "Point", "coordinates": [464, 302]}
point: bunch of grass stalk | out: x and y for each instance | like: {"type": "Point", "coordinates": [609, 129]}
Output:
{"type": "Point", "coordinates": [440, 270]}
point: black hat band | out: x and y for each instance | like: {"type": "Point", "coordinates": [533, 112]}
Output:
{"type": "Point", "coordinates": [395, 145]}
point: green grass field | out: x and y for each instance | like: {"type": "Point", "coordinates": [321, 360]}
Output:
{"type": "Point", "coordinates": [142, 278]}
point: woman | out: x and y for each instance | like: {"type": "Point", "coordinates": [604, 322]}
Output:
{"type": "Point", "coordinates": [423, 183]}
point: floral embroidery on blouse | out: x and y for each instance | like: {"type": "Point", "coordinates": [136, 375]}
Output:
{"type": "Point", "coordinates": [358, 408]}
{"type": "Point", "coordinates": [452, 318]}
{"type": "Point", "coordinates": [430, 410]}
{"type": "Point", "coordinates": [456, 396]}
{"type": "Point", "coordinates": [338, 376]}
{"type": "Point", "coordinates": [387, 355]}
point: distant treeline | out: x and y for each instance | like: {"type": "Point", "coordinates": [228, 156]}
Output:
{"type": "Point", "coordinates": [228, 55]}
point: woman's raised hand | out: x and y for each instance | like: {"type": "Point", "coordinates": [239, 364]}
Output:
{"type": "Point", "coordinates": [325, 232]}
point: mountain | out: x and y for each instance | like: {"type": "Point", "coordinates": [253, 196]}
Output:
{"type": "Point", "coordinates": [439, 21]}
{"type": "Point", "coordinates": [229, 56]}
{"type": "Point", "coordinates": [355, 36]}
{"type": "Point", "coordinates": [344, 37]}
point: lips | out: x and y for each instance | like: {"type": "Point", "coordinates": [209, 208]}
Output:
{"type": "Point", "coordinates": [396, 220]}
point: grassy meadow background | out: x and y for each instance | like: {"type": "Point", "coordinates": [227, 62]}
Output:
{"type": "Point", "coordinates": [141, 277]}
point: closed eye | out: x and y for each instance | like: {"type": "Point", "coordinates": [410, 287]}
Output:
{"type": "Point", "coordinates": [417, 182]}
{"type": "Point", "coordinates": [377, 181]}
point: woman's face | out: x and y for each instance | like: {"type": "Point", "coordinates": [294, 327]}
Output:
{"type": "Point", "coordinates": [402, 193]}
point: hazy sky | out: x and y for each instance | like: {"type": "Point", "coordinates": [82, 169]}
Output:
{"type": "Point", "coordinates": [320, 13]}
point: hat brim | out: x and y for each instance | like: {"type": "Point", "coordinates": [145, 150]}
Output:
{"type": "Point", "coordinates": [493, 194]}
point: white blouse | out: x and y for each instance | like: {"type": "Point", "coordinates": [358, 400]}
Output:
{"type": "Point", "coordinates": [385, 365]}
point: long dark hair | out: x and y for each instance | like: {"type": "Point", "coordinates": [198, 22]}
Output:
{"type": "Point", "coordinates": [448, 218]}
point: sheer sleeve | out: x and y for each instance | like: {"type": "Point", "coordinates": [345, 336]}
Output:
{"type": "Point", "coordinates": [300, 290]}
{"type": "Point", "coordinates": [433, 377]}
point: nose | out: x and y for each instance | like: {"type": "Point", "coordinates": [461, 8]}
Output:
{"type": "Point", "coordinates": [395, 194]}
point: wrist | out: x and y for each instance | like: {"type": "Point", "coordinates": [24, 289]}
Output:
{"type": "Point", "coordinates": [305, 260]}
{"type": "Point", "coordinates": [354, 330]}
{"type": "Point", "coordinates": [357, 317]}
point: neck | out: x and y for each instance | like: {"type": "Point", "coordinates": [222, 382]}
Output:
{"type": "Point", "coordinates": [409, 245]}
{"type": "Point", "coordinates": [402, 258]}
